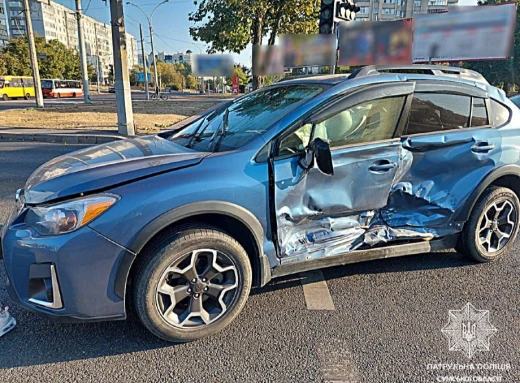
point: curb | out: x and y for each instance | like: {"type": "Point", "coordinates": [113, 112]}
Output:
{"type": "Point", "coordinates": [64, 138]}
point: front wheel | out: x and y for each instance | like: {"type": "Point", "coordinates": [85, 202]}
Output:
{"type": "Point", "coordinates": [191, 284]}
{"type": "Point", "coordinates": [5, 97]}
{"type": "Point", "coordinates": [27, 96]}
{"type": "Point", "coordinates": [492, 227]}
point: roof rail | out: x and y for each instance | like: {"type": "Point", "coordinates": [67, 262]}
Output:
{"type": "Point", "coordinates": [436, 70]}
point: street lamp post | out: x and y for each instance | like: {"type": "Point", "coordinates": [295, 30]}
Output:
{"type": "Point", "coordinates": [151, 38]}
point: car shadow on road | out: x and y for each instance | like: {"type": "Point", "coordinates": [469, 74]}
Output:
{"type": "Point", "coordinates": [428, 261]}
{"type": "Point", "coordinates": [38, 341]}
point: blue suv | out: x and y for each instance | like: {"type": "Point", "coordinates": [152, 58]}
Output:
{"type": "Point", "coordinates": [307, 173]}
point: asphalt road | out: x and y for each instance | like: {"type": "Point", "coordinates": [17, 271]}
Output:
{"type": "Point", "coordinates": [383, 324]}
{"type": "Point", "coordinates": [24, 104]}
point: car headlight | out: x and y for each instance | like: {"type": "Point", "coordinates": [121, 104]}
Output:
{"type": "Point", "coordinates": [68, 216]}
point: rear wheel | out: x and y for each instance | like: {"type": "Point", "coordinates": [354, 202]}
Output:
{"type": "Point", "coordinates": [73, 95]}
{"type": "Point", "coordinates": [5, 97]}
{"type": "Point", "coordinates": [492, 227]}
{"type": "Point", "coordinates": [191, 284]}
{"type": "Point", "coordinates": [27, 96]}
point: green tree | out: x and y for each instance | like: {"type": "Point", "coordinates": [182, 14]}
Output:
{"type": "Point", "coordinates": [230, 25]}
{"type": "Point", "coordinates": [57, 62]}
{"type": "Point", "coordinates": [239, 72]}
{"type": "Point", "coordinates": [190, 82]}
{"type": "Point", "coordinates": [502, 73]}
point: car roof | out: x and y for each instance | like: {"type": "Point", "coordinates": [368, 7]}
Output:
{"type": "Point", "coordinates": [391, 73]}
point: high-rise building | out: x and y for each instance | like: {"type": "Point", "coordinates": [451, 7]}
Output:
{"type": "Point", "coordinates": [382, 10]}
{"type": "Point", "coordinates": [57, 22]}
{"type": "Point", "coordinates": [4, 35]}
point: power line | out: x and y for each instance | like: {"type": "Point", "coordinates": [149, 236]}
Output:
{"type": "Point", "coordinates": [182, 41]}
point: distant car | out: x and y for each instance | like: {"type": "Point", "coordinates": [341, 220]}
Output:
{"type": "Point", "coordinates": [295, 176]}
{"type": "Point", "coordinates": [167, 89]}
{"type": "Point", "coordinates": [516, 100]}
{"type": "Point", "coordinates": [111, 90]}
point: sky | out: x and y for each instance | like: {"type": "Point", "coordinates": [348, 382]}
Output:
{"type": "Point", "coordinates": [170, 24]}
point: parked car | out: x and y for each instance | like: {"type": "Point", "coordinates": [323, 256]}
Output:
{"type": "Point", "coordinates": [112, 90]}
{"type": "Point", "coordinates": [299, 175]}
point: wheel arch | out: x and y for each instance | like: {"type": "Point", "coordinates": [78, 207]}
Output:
{"type": "Point", "coordinates": [507, 176]}
{"type": "Point", "coordinates": [233, 219]}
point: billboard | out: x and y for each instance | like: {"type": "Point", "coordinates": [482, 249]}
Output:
{"type": "Point", "coordinates": [212, 65]}
{"type": "Point", "coordinates": [375, 43]}
{"type": "Point", "coordinates": [465, 34]}
{"type": "Point", "coordinates": [267, 60]}
{"type": "Point", "coordinates": [139, 77]}
{"type": "Point", "coordinates": [307, 50]}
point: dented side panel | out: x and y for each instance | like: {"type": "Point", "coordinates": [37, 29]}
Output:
{"type": "Point", "coordinates": [445, 170]}
{"type": "Point", "coordinates": [316, 212]}
{"type": "Point", "coordinates": [319, 215]}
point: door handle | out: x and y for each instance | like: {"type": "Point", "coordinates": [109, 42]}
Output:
{"type": "Point", "coordinates": [482, 147]}
{"type": "Point", "coordinates": [382, 166]}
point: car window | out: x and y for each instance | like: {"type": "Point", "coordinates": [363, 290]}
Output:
{"type": "Point", "coordinates": [499, 113]}
{"type": "Point", "coordinates": [369, 121]}
{"type": "Point", "coordinates": [296, 142]}
{"type": "Point", "coordinates": [236, 123]}
{"type": "Point", "coordinates": [433, 112]}
{"type": "Point", "coordinates": [479, 112]}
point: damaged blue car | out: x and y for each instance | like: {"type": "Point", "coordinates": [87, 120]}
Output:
{"type": "Point", "coordinates": [303, 174]}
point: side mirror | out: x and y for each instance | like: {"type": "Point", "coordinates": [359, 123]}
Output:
{"type": "Point", "coordinates": [320, 150]}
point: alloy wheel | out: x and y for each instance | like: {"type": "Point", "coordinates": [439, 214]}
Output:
{"type": "Point", "coordinates": [497, 224]}
{"type": "Point", "coordinates": [197, 289]}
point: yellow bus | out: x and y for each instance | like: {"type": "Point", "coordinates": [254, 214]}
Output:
{"type": "Point", "coordinates": [13, 87]}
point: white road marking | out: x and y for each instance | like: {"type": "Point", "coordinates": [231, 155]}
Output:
{"type": "Point", "coordinates": [316, 291]}
{"type": "Point", "coordinates": [337, 364]}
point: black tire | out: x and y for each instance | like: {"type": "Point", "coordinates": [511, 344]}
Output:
{"type": "Point", "coordinates": [27, 96]}
{"type": "Point", "coordinates": [73, 95]}
{"type": "Point", "coordinates": [5, 97]}
{"type": "Point", "coordinates": [171, 248]}
{"type": "Point", "coordinates": [470, 242]}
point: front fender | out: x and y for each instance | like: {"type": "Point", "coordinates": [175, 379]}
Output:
{"type": "Point", "coordinates": [187, 211]}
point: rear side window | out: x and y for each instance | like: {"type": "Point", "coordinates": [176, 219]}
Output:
{"type": "Point", "coordinates": [433, 112]}
{"type": "Point", "coordinates": [499, 113]}
{"type": "Point", "coordinates": [479, 113]}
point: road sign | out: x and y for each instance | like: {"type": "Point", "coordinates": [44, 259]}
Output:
{"type": "Point", "coordinates": [139, 77]}
{"type": "Point", "coordinates": [42, 55]}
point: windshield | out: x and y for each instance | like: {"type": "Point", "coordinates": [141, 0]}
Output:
{"type": "Point", "coordinates": [2, 84]}
{"type": "Point", "coordinates": [233, 126]}
{"type": "Point", "coordinates": [47, 84]}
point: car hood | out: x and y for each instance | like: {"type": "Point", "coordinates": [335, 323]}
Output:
{"type": "Point", "coordinates": [103, 166]}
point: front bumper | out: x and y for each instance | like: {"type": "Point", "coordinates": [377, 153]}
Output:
{"type": "Point", "coordinates": [85, 265]}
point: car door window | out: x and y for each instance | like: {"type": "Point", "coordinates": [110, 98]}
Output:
{"type": "Point", "coordinates": [369, 121]}
{"type": "Point", "coordinates": [500, 113]}
{"type": "Point", "coordinates": [478, 113]}
{"type": "Point", "coordinates": [433, 112]}
{"type": "Point", "coordinates": [296, 142]}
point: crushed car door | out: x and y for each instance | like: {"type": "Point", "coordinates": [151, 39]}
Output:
{"type": "Point", "coordinates": [319, 214]}
{"type": "Point", "coordinates": [451, 146]}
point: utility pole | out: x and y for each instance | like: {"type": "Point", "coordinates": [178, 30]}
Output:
{"type": "Point", "coordinates": [34, 60]}
{"type": "Point", "coordinates": [156, 83]}
{"type": "Point", "coordinates": [97, 58]}
{"type": "Point", "coordinates": [149, 18]}
{"type": "Point", "coordinates": [145, 71]}
{"type": "Point", "coordinates": [125, 115]}
{"type": "Point", "coordinates": [82, 53]}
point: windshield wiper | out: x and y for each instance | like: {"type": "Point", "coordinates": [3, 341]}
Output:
{"type": "Point", "coordinates": [223, 130]}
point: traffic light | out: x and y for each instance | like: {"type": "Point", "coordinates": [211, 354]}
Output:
{"type": "Point", "coordinates": [326, 16]}
{"type": "Point", "coordinates": [346, 10]}
{"type": "Point", "coordinates": [111, 70]}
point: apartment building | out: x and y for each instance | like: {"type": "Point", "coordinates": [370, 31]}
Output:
{"type": "Point", "coordinates": [383, 10]}
{"type": "Point", "coordinates": [4, 34]}
{"type": "Point", "coordinates": [57, 22]}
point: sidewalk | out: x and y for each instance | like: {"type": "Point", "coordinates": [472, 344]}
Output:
{"type": "Point", "coordinates": [68, 136]}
